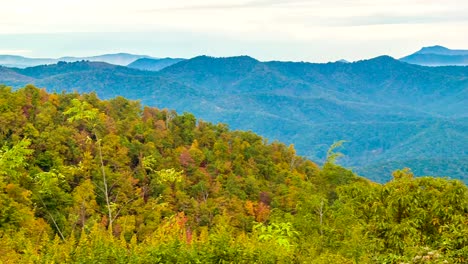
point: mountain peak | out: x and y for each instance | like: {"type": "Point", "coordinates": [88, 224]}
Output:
{"type": "Point", "coordinates": [81, 64]}
{"type": "Point", "coordinates": [438, 56]}
{"type": "Point", "coordinates": [342, 61]}
{"type": "Point", "coordinates": [437, 49]}
{"type": "Point", "coordinates": [210, 63]}
{"type": "Point", "coordinates": [63, 67]}
{"type": "Point", "coordinates": [384, 59]}
{"type": "Point", "coordinates": [212, 71]}
{"type": "Point", "coordinates": [243, 58]}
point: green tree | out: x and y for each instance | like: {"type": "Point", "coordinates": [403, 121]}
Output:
{"type": "Point", "coordinates": [13, 160]}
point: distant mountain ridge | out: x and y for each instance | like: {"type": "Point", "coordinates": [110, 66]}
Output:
{"type": "Point", "coordinates": [440, 50]}
{"type": "Point", "coordinates": [150, 64]}
{"type": "Point", "coordinates": [23, 62]}
{"type": "Point", "coordinates": [122, 59]}
{"type": "Point", "coordinates": [343, 61]}
{"type": "Point", "coordinates": [438, 56]}
{"type": "Point", "coordinates": [391, 113]}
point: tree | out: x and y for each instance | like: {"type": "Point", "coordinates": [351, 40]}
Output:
{"type": "Point", "coordinates": [84, 203]}
{"type": "Point", "coordinates": [281, 233]}
{"type": "Point", "coordinates": [48, 188]}
{"type": "Point", "coordinates": [84, 112]}
{"type": "Point", "coordinates": [169, 176]}
{"type": "Point", "coordinates": [13, 160]}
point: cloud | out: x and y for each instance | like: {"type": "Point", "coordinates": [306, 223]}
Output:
{"type": "Point", "coordinates": [318, 13]}
{"type": "Point", "coordinates": [14, 51]}
{"type": "Point", "coordinates": [389, 19]}
{"type": "Point", "coordinates": [226, 6]}
{"type": "Point", "coordinates": [381, 19]}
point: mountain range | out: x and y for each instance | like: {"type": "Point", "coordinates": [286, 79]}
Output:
{"type": "Point", "coordinates": [392, 114]}
{"type": "Point", "coordinates": [427, 56]}
{"type": "Point", "coordinates": [23, 62]}
{"type": "Point", "coordinates": [438, 56]}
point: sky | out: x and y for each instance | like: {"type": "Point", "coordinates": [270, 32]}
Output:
{"type": "Point", "coordinates": [288, 30]}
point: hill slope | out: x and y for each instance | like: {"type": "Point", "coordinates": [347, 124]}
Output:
{"type": "Point", "coordinates": [391, 112]}
{"type": "Point", "coordinates": [84, 180]}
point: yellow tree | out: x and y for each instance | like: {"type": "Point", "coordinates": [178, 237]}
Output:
{"type": "Point", "coordinates": [84, 112]}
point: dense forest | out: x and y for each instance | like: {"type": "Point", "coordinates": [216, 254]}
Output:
{"type": "Point", "coordinates": [84, 180]}
{"type": "Point", "coordinates": [384, 108]}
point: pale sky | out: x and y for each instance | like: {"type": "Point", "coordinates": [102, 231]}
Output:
{"type": "Point", "coordinates": [298, 30]}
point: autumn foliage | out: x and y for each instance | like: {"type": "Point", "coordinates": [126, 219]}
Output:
{"type": "Point", "coordinates": [90, 181]}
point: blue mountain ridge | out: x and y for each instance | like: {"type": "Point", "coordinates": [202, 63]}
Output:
{"type": "Point", "coordinates": [438, 56]}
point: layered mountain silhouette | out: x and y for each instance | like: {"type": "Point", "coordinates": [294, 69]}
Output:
{"type": "Point", "coordinates": [438, 56]}
{"type": "Point", "coordinates": [393, 114]}
{"type": "Point", "coordinates": [122, 59]}
{"type": "Point", "coordinates": [23, 62]}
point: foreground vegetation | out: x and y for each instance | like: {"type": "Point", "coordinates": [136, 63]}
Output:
{"type": "Point", "coordinates": [90, 181]}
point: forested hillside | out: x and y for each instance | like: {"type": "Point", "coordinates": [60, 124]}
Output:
{"type": "Point", "coordinates": [89, 181]}
{"type": "Point", "coordinates": [391, 114]}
